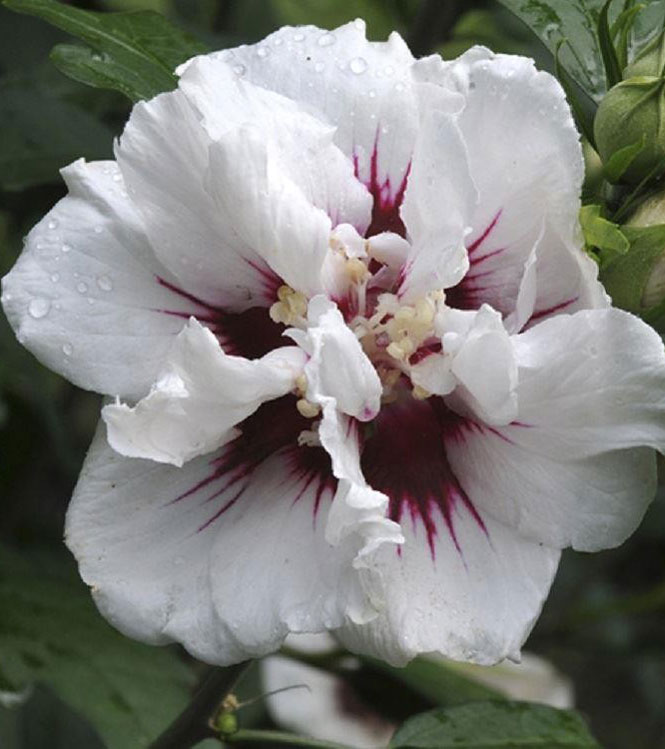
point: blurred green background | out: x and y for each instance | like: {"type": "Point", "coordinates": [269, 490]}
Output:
{"type": "Point", "coordinates": [604, 624]}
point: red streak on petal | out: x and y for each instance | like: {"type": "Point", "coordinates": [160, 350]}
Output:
{"type": "Point", "coordinates": [387, 199]}
{"type": "Point", "coordinates": [540, 314]}
{"type": "Point", "coordinates": [250, 333]}
{"type": "Point", "coordinates": [405, 458]}
{"type": "Point", "coordinates": [473, 247]}
{"type": "Point", "coordinates": [433, 347]}
{"type": "Point", "coordinates": [271, 432]}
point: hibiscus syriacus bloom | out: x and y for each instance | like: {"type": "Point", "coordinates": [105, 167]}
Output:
{"type": "Point", "coordinates": [363, 377]}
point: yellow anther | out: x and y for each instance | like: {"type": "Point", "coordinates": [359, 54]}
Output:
{"type": "Point", "coordinates": [419, 393]}
{"type": "Point", "coordinates": [291, 307]}
{"type": "Point", "coordinates": [396, 351]}
{"type": "Point", "coordinates": [301, 384]}
{"type": "Point", "coordinates": [356, 270]}
{"type": "Point", "coordinates": [425, 311]}
{"type": "Point", "coordinates": [405, 313]}
{"type": "Point", "coordinates": [308, 409]}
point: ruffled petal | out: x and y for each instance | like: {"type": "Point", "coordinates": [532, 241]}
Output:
{"type": "Point", "coordinates": [198, 399]}
{"type": "Point", "coordinates": [267, 210]}
{"type": "Point", "coordinates": [87, 296]}
{"type": "Point", "coordinates": [526, 161]}
{"type": "Point", "coordinates": [462, 583]}
{"type": "Point", "coordinates": [438, 206]}
{"type": "Point", "coordinates": [474, 598]}
{"type": "Point", "coordinates": [226, 555]}
{"type": "Point", "coordinates": [163, 157]}
{"type": "Point", "coordinates": [301, 144]}
{"type": "Point", "coordinates": [362, 88]}
{"type": "Point", "coordinates": [357, 509]}
{"type": "Point", "coordinates": [338, 368]}
{"type": "Point", "coordinates": [591, 404]}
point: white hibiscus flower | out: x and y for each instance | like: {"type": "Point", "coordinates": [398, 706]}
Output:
{"type": "Point", "coordinates": [365, 380]}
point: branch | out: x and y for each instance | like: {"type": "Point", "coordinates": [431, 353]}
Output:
{"type": "Point", "coordinates": [191, 726]}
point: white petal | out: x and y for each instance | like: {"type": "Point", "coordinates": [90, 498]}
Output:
{"type": "Point", "coordinates": [362, 88]}
{"type": "Point", "coordinates": [267, 210]}
{"type": "Point", "coordinates": [573, 470]}
{"type": "Point", "coordinates": [163, 156]}
{"type": "Point", "coordinates": [477, 603]}
{"type": "Point", "coordinates": [357, 510]}
{"type": "Point", "coordinates": [462, 584]}
{"type": "Point", "coordinates": [300, 143]}
{"type": "Point", "coordinates": [198, 399]}
{"type": "Point", "coordinates": [484, 365]}
{"type": "Point", "coordinates": [85, 296]}
{"type": "Point", "coordinates": [438, 205]}
{"type": "Point", "coordinates": [322, 710]}
{"type": "Point", "coordinates": [526, 161]}
{"type": "Point", "coordinates": [338, 367]}
{"type": "Point", "coordinates": [226, 555]}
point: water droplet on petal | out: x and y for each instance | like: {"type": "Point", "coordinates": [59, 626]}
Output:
{"type": "Point", "coordinates": [389, 70]}
{"type": "Point", "coordinates": [52, 224]}
{"type": "Point", "coordinates": [372, 94]}
{"type": "Point", "coordinates": [358, 65]}
{"type": "Point", "coordinates": [55, 277]}
{"type": "Point", "coordinates": [66, 247]}
{"type": "Point", "coordinates": [278, 42]}
{"type": "Point", "coordinates": [39, 308]}
{"type": "Point", "coordinates": [399, 87]}
{"type": "Point", "coordinates": [239, 69]}
{"type": "Point", "coordinates": [327, 39]}
{"type": "Point", "coordinates": [98, 230]}
{"type": "Point", "coordinates": [117, 177]}
{"type": "Point", "coordinates": [319, 67]}
{"type": "Point", "coordinates": [262, 52]}
{"type": "Point", "coordinates": [104, 283]}
{"type": "Point", "coordinates": [81, 287]}
{"type": "Point", "coordinates": [299, 37]}
{"type": "Point", "coordinates": [67, 349]}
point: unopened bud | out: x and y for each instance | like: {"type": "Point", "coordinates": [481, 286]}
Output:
{"type": "Point", "coordinates": [632, 113]}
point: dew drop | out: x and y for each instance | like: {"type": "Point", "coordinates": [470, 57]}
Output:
{"type": "Point", "coordinates": [39, 308]}
{"type": "Point", "coordinates": [278, 42]}
{"type": "Point", "coordinates": [66, 247]}
{"type": "Point", "coordinates": [52, 224]}
{"type": "Point", "coordinates": [117, 177]}
{"type": "Point", "coordinates": [358, 65]}
{"type": "Point", "coordinates": [319, 67]}
{"type": "Point", "coordinates": [98, 230]}
{"type": "Point", "coordinates": [327, 39]}
{"type": "Point", "coordinates": [262, 52]}
{"type": "Point", "coordinates": [81, 287]}
{"type": "Point", "coordinates": [372, 94]}
{"type": "Point", "coordinates": [299, 37]}
{"type": "Point", "coordinates": [389, 70]}
{"type": "Point", "coordinates": [67, 349]}
{"type": "Point", "coordinates": [55, 277]}
{"type": "Point", "coordinates": [91, 300]}
{"type": "Point", "coordinates": [105, 283]}
{"type": "Point", "coordinates": [399, 87]}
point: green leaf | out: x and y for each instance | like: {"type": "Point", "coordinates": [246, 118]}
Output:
{"type": "Point", "coordinates": [40, 132]}
{"type": "Point", "coordinates": [626, 277]}
{"type": "Point", "coordinates": [576, 22]}
{"type": "Point", "coordinates": [620, 160]}
{"type": "Point", "coordinates": [489, 725]}
{"type": "Point", "coordinates": [51, 633]}
{"type": "Point", "coordinates": [607, 50]}
{"type": "Point", "coordinates": [439, 682]}
{"type": "Point", "coordinates": [584, 108]}
{"type": "Point", "coordinates": [135, 53]}
{"type": "Point", "coordinates": [602, 234]}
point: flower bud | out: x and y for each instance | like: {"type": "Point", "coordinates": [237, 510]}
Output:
{"type": "Point", "coordinates": [631, 111]}
{"type": "Point", "coordinates": [636, 280]}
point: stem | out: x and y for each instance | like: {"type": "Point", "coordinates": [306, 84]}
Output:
{"type": "Point", "coordinates": [191, 726]}
{"type": "Point", "coordinates": [249, 736]}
